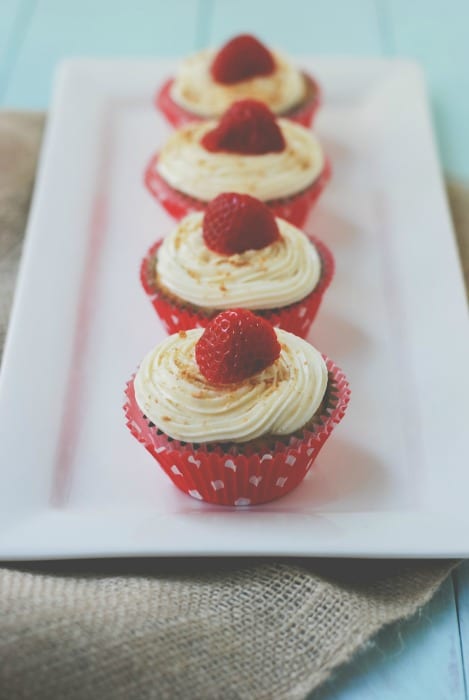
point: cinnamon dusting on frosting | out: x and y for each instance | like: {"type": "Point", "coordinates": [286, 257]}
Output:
{"type": "Point", "coordinates": [278, 401]}
{"type": "Point", "coordinates": [278, 275]}
{"type": "Point", "coordinates": [189, 168]}
{"type": "Point", "coordinates": [195, 89]}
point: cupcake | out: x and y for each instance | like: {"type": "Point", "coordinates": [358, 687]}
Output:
{"type": "Point", "coordinates": [237, 254]}
{"type": "Point", "coordinates": [208, 82]}
{"type": "Point", "coordinates": [236, 413]}
{"type": "Point", "coordinates": [248, 151]}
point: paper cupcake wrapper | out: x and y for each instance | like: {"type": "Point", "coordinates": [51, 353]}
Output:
{"type": "Point", "coordinates": [306, 112]}
{"type": "Point", "coordinates": [177, 116]}
{"type": "Point", "coordinates": [295, 318]}
{"type": "Point", "coordinates": [294, 209]}
{"type": "Point", "coordinates": [240, 476]}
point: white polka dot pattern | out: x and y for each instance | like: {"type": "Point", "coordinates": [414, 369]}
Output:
{"type": "Point", "coordinates": [242, 502]}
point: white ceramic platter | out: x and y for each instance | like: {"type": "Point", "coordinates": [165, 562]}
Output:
{"type": "Point", "coordinates": [393, 479]}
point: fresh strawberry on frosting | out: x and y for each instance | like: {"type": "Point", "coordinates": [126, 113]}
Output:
{"type": "Point", "coordinates": [234, 223]}
{"type": "Point", "coordinates": [241, 58]}
{"type": "Point", "coordinates": [235, 346]}
{"type": "Point", "coordinates": [247, 127]}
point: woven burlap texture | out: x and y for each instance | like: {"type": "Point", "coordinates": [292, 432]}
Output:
{"type": "Point", "coordinates": [188, 629]}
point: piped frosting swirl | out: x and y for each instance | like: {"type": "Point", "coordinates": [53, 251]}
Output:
{"type": "Point", "coordinates": [188, 167]}
{"type": "Point", "coordinates": [174, 395]}
{"type": "Point", "coordinates": [195, 89]}
{"type": "Point", "coordinates": [275, 276]}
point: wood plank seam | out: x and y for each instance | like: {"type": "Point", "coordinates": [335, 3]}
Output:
{"type": "Point", "coordinates": [385, 28]}
{"type": "Point", "coordinates": [14, 43]}
{"type": "Point", "coordinates": [454, 581]}
{"type": "Point", "coordinates": [204, 23]}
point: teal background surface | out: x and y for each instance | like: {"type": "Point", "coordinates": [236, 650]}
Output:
{"type": "Point", "coordinates": [426, 657]}
{"type": "Point", "coordinates": [36, 34]}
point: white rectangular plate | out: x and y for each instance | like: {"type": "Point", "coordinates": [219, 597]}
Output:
{"type": "Point", "coordinates": [392, 480]}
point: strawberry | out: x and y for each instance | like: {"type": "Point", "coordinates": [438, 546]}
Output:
{"type": "Point", "coordinates": [241, 58]}
{"type": "Point", "coordinates": [247, 127]}
{"type": "Point", "coordinates": [235, 346]}
{"type": "Point", "coordinates": [236, 222]}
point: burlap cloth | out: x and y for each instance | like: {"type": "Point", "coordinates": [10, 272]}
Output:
{"type": "Point", "coordinates": [183, 628]}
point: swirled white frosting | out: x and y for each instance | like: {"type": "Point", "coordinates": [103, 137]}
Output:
{"type": "Point", "coordinates": [174, 395]}
{"type": "Point", "coordinates": [195, 89]}
{"type": "Point", "coordinates": [188, 167]}
{"type": "Point", "coordinates": [277, 275]}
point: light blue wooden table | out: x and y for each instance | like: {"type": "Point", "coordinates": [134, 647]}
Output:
{"type": "Point", "coordinates": [428, 656]}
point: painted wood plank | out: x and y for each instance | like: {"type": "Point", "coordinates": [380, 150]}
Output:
{"type": "Point", "coordinates": [435, 33]}
{"type": "Point", "coordinates": [9, 12]}
{"type": "Point", "coordinates": [302, 26]}
{"type": "Point", "coordinates": [105, 28]}
{"type": "Point", "coordinates": [415, 659]}
{"type": "Point", "coordinates": [461, 583]}
{"type": "Point", "coordinates": [10, 27]}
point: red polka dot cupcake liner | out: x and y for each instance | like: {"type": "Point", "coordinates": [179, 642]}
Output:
{"type": "Point", "coordinates": [294, 209]}
{"type": "Point", "coordinates": [177, 116]}
{"type": "Point", "coordinates": [296, 318]}
{"type": "Point", "coordinates": [240, 475]}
